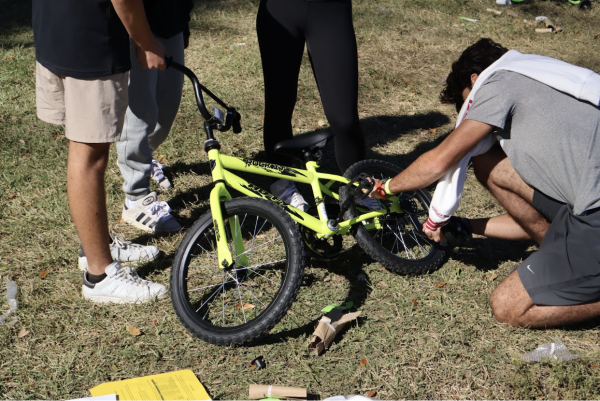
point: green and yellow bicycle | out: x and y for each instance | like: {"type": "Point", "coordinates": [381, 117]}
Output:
{"type": "Point", "coordinates": [240, 266]}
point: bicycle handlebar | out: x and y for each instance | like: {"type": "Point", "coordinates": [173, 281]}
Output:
{"type": "Point", "coordinates": [232, 118]}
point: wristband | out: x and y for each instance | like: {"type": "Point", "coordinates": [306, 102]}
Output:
{"type": "Point", "coordinates": [386, 187]}
{"type": "Point", "coordinates": [380, 190]}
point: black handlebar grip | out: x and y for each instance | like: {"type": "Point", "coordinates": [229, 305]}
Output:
{"type": "Point", "coordinates": [237, 127]}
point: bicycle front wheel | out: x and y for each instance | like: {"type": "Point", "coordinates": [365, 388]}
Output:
{"type": "Point", "coordinates": [238, 304]}
{"type": "Point", "coordinates": [396, 240]}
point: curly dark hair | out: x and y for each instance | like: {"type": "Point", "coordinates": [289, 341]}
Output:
{"type": "Point", "coordinates": [473, 60]}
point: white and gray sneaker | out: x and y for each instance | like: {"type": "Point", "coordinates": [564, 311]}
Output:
{"type": "Point", "coordinates": [122, 286]}
{"type": "Point", "coordinates": [124, 251]}
{"type": "Point", "coordinates": [286, 191]}
{"type": "Point", "coordinates": [150, 215]}
{"type": "Point", "coordinates": [158, 175]}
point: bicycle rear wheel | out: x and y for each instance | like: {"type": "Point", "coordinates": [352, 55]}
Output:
{"type": "Point", "coordinates": [397, 241]}
{"type": "Point", "coordinates": [238, 304]}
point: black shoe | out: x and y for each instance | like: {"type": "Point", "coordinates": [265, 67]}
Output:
{"type": "Point", "coordinates": [457, 232]}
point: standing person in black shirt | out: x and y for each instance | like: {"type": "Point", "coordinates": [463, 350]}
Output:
{"type": "Point", "coordinates": [82, 52]}
{"type": "Point", "coordinates": [154, 98]}
{"type": "Point", "coordinates": [283, 27]}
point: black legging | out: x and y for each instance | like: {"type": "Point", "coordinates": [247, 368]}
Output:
{"type": "Point", "coordinates": [283, 26]}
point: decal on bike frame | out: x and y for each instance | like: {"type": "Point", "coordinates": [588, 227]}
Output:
{"type": "Point", "coordinates": [269, 196]}
{"type": "Point", "coordinates": [272, 168]}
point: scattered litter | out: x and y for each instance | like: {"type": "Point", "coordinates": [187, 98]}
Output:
{"type": "Point", "coordinates": [327, 328]}
{"type": "Point", "coordinates": [178, 385]}
{"type": "Point", "coordinates": [259, 362]}
{"type": "Point", "coordinates": [11, 297]}
{"type": "Point", "coordinates": [550, 27]}
{"type": "Point", "coordinates": [469, 19]}
{"type": "Point", "coordinates": [384, 10]}
{"type": "Point", "coordinates": [241, 44]}
{"type": "Point", "coordinates": [345, 306]}
{"type": "Point", "coordinates": [557, 351]}
{"type": "Point", "coordinates": [259, 391]}
{"type": "Point", "coordinates": [132, 330]}
{"type": "Point", "coordinates": [504, 2]}
{"type": "Point", "coordinates": [491, 10]}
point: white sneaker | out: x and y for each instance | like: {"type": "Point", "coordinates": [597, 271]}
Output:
{"type": "Point", "coordinates": [150, 215]}
{"type": "Point", "coordinates": [122, 286]}
{"type": "Point", "coordinates": [369, 203]}
{"type": "Point", "coordinates": [158, 175]}
{"type": "Point", "coordinates": [124, 251]}
{"type": "Point", "coordinates": [286, 191]}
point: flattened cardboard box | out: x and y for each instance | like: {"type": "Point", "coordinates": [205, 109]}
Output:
{"type": "Point", "coordinates": [327, 328]}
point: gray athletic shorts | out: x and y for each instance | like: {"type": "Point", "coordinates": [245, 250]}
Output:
{"type": "Point", "coordinates": [566, 268]}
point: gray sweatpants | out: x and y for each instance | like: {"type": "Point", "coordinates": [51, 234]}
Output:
{"type": "Point", "coordinates": [154, 98]}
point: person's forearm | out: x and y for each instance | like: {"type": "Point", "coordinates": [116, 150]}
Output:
{"type": "Point", "coordinates": [432, 166]}
{"type": "Point", "coordinates": [424, 171]}
{"type": "Point", "coordinates": [132, 15]}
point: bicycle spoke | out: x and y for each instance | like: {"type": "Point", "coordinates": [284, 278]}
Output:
{"type": "Point", "coordinates": [259, 246]}
{"type": "Point", "coordinates": [401, 239]}
{"type": "Point", "coordinates": [262, 264]}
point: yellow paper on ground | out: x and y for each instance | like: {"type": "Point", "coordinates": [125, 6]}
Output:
{"type": "Point", "coordinates": [178, 385]}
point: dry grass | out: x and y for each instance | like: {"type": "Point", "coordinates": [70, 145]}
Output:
{"type": "Point", "coordinates": [448, 346]}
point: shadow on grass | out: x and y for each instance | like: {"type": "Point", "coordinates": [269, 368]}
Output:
{"type": "Point", "coordinates": [15, 18]}
{"type": "Point", "coordinates": [487, 254]}
{"type": "Point", "coordinates": [350, 267]}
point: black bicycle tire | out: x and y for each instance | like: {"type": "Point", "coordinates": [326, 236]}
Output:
{"type": "Point", "coordinates": [391, 262]}
{"type": "Point", "coordinates": [276, 310]}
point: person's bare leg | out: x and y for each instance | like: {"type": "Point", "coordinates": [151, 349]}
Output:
{"type": "Point", "coordinates": [87, 201]}
{"type": "Point", "coordinates": [512, 305]}
{"type": "Point", "coordinates": [503, 226]}
{"type": "Point", "coordinates": [494, 171]}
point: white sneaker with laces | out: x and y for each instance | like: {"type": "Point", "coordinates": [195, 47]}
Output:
{"type": "Point", "coordinates": [158, 175]}
{"type": "Point", "coordinates": [124, 251]}
{"type": "Point", "coordinates": [151, 215]}
{"type": "Point", "coordinates": [122, 286]}
{"type": "Point", "coordinates": [286, 191]}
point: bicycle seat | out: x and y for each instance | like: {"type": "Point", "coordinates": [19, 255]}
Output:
{"type": "Point", "coordinates": [304, 145]}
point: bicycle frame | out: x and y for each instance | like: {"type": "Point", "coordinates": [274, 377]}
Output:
{"type": "Point", "coordinates": [222, 177]}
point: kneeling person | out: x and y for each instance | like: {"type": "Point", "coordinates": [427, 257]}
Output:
{"type": "Point", "coordinates": [531, 126]}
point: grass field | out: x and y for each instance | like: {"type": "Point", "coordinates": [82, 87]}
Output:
{"type": "Point", "coordinates": [445, 345]}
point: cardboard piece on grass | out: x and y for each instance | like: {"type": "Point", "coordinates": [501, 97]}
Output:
{"type": "Point", "coordinates": [178, 385]}
{"type": "Point", "coordinates": [550, 27]}
{"type": "Point", "coordinates": [327, 328]}
{"type": "Point", "coordinates": [258, 391]}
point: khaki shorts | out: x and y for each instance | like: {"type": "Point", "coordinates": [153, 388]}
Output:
{"type": "Point", "coordinates": [91, 109]}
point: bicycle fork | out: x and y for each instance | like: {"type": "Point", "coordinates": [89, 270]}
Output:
{"type": "Point", "coordinates": [218, 195]}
